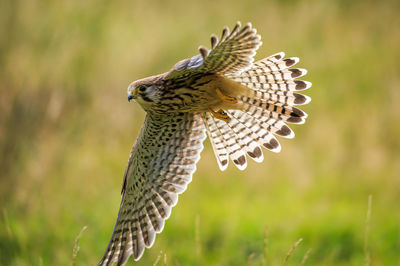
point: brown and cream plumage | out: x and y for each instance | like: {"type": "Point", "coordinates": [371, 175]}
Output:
{"type": "Point", "coordinates": [242, 106]}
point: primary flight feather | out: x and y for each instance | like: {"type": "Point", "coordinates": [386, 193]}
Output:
{"type": "Point", "coordinates": [241, 105]}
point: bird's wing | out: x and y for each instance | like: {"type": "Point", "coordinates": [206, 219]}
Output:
{"type": "Point", "coordinates": [232, 53]}
{"type": "Point", "coordinates": [160, 167]}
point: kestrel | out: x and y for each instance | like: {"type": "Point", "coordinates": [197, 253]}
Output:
{"type": "Point", "coordinates": [240, 104]}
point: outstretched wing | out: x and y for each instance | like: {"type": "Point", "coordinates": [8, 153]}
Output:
{"type": "Point", "coordinates": [159, 168]}
{"type": "Point", "coordinates": [232, 53]}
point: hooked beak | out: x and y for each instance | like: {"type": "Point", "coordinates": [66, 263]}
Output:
{"type": "Point", "coordinates": [131, 94]}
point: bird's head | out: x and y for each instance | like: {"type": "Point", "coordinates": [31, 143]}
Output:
{"type": "Point", "coordinates": [144, 91]}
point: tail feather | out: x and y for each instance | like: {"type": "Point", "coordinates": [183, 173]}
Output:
{"type": "Point", "coordinates": [216, 141]}
{"type": "Point", "coordinates": [258, 133]}
{"type": "Point", "coordinates": [270, 120]}
{"type": "Point", "coordinates": [273, 106]}
{"type": "Point", "coordinates": [272, 125]}
{"type": "Point", "coordinates": [265, 110]}
{"type": "Point", "coordinates": [258, 78]}
{"type": "Point", "coordinates": [291, 115]}
{"type": "Point", "coordinates": [229, 138]}
{"type": "Point", "coordinates": [279, 85]}
{"type": "Point", "coordinates": [291, 98]}
{"type": "Point", "coordinates": [263, 74]}
{"type": "Point", "coordinates": [249, 145]}
{"type": "Point", "coordinates": [273, 73]}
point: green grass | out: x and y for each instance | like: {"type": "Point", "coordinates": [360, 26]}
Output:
{"type": "Point", "coordinates": [66, 130]}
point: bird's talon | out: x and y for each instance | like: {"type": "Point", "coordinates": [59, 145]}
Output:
{"type": "Point", "coordinates": [224, 98]}
{"type": "Point", "coordinates": [221, 115]}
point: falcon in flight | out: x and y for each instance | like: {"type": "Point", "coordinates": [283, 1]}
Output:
{"type": "Point", "coordinates": [241, 104]}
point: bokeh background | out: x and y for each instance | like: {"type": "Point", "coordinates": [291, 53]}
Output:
{"type": "Point", "coordinates": [66, 129]}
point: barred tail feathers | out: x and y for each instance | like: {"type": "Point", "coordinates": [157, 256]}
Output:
{"type": "Point", "coordinates": [216, 141]}
{"type": "Point", "coordinates": [265, 110]}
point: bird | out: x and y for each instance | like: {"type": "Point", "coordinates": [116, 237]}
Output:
{"type": "Point", "coordinates": [221, 92]}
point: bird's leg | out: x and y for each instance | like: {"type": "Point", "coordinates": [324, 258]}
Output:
{"type": "Point", "coordinates": [224, 98]}
{"type": "Point", "coordinates": [220, 115]}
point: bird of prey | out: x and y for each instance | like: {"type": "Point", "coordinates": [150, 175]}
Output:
{"type": "Point", "coordinates": [241, 104]}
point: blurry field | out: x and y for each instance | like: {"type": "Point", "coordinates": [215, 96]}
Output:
{"type": "Point", "coordinates": [66, 129]}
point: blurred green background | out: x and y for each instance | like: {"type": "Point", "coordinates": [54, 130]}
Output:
{"type": "Point", "coordinates": [66, 129]}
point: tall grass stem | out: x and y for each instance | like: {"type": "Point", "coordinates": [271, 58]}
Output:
{"type": "Point", "coordinates": [367, 255]}
{"type": "Point", "coordinates": [292, 250]}
{"type": "Point", "coordinates": [76, 248]}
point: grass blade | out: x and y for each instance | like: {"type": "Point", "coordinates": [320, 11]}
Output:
{"type": "Point", "coordinates": [75, 250]}
{"type": "Point", "coordinates": [292, 250]}
{"type": "Point", "coordinates": [367, 255]}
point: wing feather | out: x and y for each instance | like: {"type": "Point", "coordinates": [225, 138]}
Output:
{"type": "Point", "coordinates": [160, 167]}
{"type": "Point", "coordinates": [232, 53]}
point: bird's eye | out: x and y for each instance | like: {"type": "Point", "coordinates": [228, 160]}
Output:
{"type": "Point", "coordinates": [141, 88]}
